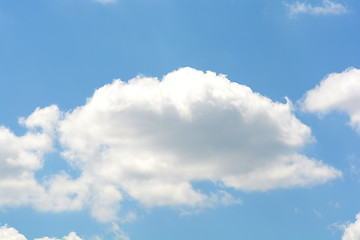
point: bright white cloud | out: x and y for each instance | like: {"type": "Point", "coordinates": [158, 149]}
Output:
{"type": "Point", "coordinates": [338, 91]}
{"type": "Point", "coordinates": [151, 139]}
{"type": "Point", "coordinates": [327, 7]}
{"type": "Point", "coordinates": [9, 233]}
{"type": "Point", "coordinates": [21, 156]}
{"type": "Point", "coordinates": [352, 230]}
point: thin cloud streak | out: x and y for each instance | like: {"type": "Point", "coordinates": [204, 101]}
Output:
{"type": "Point", "coordinates": [327, 7]}
{"type": "Point", "coordinates": [106, 1]}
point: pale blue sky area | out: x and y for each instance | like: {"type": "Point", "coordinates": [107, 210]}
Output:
{"type": "Point", "coordinates": [60, 51]}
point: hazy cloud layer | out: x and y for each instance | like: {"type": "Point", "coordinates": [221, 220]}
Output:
{"type": "Point", "coordinates": [338, 91]}
{"type": "Point", "coordinates": [151, 139]}
{"type": "Point", "coordinates": [327, 7]}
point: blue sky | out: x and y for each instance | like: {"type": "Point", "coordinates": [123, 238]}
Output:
{"type": "Point", "coordinates": [195, 139]}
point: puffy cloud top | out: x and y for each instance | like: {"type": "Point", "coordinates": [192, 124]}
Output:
{"type": "Point", "coordinates": [9, 233]}
{"type": "Point", "coordinates": [152, 138]}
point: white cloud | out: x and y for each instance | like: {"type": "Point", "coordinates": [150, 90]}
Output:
{"type": "Point", "coordinates": [151, 139]}
{"type": "Point", "coordinates": [71, 236]}
{"type": "Point", "coordinates": [21, 156]}
{"type": "Point", "coordinates": [9, 233]}
{"type": "Point", "coordinates": [341, 92]}
{"type": "Point", "coordinates": [327, 7]}
{"type": "Point", "coordinates": [338, 91]}
{"type": "Point", "coordinates": [352, 230]}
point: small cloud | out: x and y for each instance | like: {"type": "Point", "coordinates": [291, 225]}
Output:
{"type": "Point", "coordinates": [129, 217]}
{"type": "Point", "coordinates": [354, 167]}
{"type": "Point", "coordinates": [95, 238]}
{"type": "Point", "coordinates": [297, 211]}
{"type": "Point", "coordinates": [335, 204]}
{"type": "Point", "coordinates": [317, 213]}
{"type": "Point", "coordinates": [119, 234]}
{"type": "Point", "coordinates": [327, 7]}
{"type": "Point", "coordinates": [336, 226]}
{"type": "Point", "coordinates": [187, 212]}
{"type": "Point", "coordinates": [224, 198]}
{"type": "Point", "coordinates": [215, 199]}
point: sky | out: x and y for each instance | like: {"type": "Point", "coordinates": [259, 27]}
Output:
{"type": "Point", "coordinates": [179, 119]}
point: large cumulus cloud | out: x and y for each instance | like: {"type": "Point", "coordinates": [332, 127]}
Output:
{"type": "Point", "coordinates": [151, 139]}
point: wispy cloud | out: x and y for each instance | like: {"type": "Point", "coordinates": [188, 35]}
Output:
{"type": "Point", "coordinates": [327, 7]}
{"type": "Point", "coordinates": [335, 204]}
{"type": "Point", "coordinates": [354, 162]}
{"type": "Point", "coordinates": [118, 232]}
{"type": "Point", "coordinates": [105, 1]}
{"type": "Point", "coordinates": [298, 211]}
{"type": "Point", "coordinates": [317, 213]}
